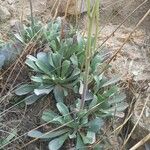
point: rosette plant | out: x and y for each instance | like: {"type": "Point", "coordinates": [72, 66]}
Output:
{"type": "Point", "coordinates": [52, 73]}
{"type": "Point", "coordinates": [73, 125]}
{"type": "Point", "coordinates": [84, 126]}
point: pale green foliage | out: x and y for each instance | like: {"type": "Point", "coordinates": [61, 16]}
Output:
{"type": "Point", "coordinates": [53, 73]}
{"type": "Point", "coordinates": [78, 126]}
{"type": "Point", "coordinates": [61, 70]}
{"type": "Point", "coordinates": [27, 34]}
{"type": "Point", "coordinates": [71, 65]}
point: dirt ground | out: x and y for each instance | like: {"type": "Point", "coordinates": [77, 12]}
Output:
{"type": "Point", "coordinates": [132, 63]}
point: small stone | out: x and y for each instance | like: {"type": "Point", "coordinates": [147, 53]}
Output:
{"type": "Point", "coordinates": [4, 13]}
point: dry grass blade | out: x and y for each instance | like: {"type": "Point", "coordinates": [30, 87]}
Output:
{"type": "Point", "coordinates": [5, 111]}
{"type": "Point", "coordinates": [11, 90]}
{"type": "Point", "coordinates": [112, 16]}
{"type": "Point", "coordinates": [126, 40]}
{"type": "Point", "coordinates": [30, 47]}
{"type": "Point", "coordinates": [42, 125]}
{"type": "Point", "coordinates": [122, 23]}
{"type": "Point", "coordinates": [66, 11]}
{"type": "Point", "coordinates": [140, 143]}
{"type": "Point", "coordinates": [46, 134]}
{"type": "Point", "coordinates": [125, 142]}
{"type": "Point", "coordinates": [118, 129]}
{"type": "Point", "coordinates": [93, 108]}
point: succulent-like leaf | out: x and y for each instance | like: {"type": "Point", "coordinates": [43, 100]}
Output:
{"type": "Point", "coordinates": [74, 60]}
{"type": "Point", "coordinates": [37, 79]}
{"type": "Point", "coordinates": [73, 77]}
{"type": "Point", "coordinates": [118, 107]}
{"type": "Point", "coordinates": [44, 90]}
{"type": "Point", "coordinates": [57, 143]}
{"type": "Point", "coordinates": [79, 143]}
{"type": "Point", "coordinates": [73, 135]}
{"type": "Point", "coordinates": [65, 68]}
{"type": "Point", "coordinates": [89, 95]}
{"type": "Point", "coordinates": [57, 58]}
{"type": "Point", "coordinates": [89, 138]}
{"type": "Point", "coordinates": [98, 82]}
{"type": "Point", "coordinates": [32, 65]}
{"type": "Point", "coordinates": [59, 93]}
{"type": "Point", "coordinates": [44, 67]}
{"type": "Point", "coordinates": [49, 115]}
{"type": "Point", "coordinates": [48, 135]}
{"type": "Point", "coordinates": [63, 109]}
{"type": "Point", "coordinates": [84, 120]}
{"type": "Point", "coordinates": [32, 58]}
{"type": "Point", "coordinates": [50, 59]}
{"type": "Point", "coordinates": [95, 125]}
{"type": "Point", "coordinates": [53, 45]}
{"type": "Point", "coordinates": [31, 99]}
{"type": "Point", "coordinates": [98, 147]}
{"type": "Point", "coordinates": [110, 92]}
{"type": "Point", "coordinates": [24, 89]}
{"type": "Point", "coordinates": [115, 110]}
{"type": "Point", "coordinates": [43, 57]}
{"type": "Point", "coordinates": [59, 120]}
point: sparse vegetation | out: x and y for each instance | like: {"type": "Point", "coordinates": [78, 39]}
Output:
{"type": "Point", "coordinates": [65, 68]}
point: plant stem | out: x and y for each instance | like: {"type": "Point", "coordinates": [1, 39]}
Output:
{"type": "Point", "coordinates": [89, 48]}
{"type": "Point", "coordinates": [32, 19]}
{"type": "Point", "coordinates": [87, 64]}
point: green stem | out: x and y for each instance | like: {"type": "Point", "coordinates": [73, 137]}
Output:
{"type": "Point", "coordinates": [32, 19]}
{"type": "Point", "coordinates": [87, 69]}
{"type": "Point", "coordinates": [88, 53]}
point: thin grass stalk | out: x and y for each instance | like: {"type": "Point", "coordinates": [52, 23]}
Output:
{"type": "Point", "coordinates": [90, 47]}
{"type": "Point", "coordinates": [31, 14]}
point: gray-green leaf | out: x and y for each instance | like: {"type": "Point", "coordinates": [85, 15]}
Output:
{"type": "Point", "coordinates": [32, 65]}
{"type": "Point", "coordinates": [65, 67]}
{"type": "Point", "coordinates": [89, 138]}
{"type": "Point", "coordinates": [80, 145]}
{"type": "Point", "coordinates": [48, 135]}
{"type": "Point", "coordinates": [95, 125]}
{"type": "Point", "coordinates": [59, 93]}
{"type": "Point", "coordinates": [31, 99]}
{"type": "Point", "coordinates": [43, 90]}
{"type": "Point", "coordinates": [49, 115]}
{"type": "Point", "coordinates": [62, 108]}
{"type": "Point", "coordinates": [24, 89]}
{"type": "Point", "coordinates": [57, 142]}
